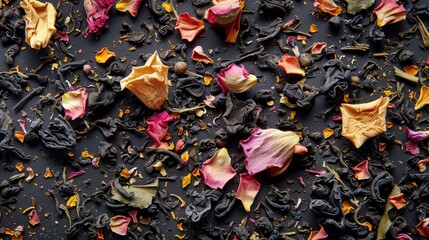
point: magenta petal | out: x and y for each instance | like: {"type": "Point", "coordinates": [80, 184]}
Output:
{"type": "Point", "coordinates": [74, 103]}
{"type": "Point", "coordinates": [267, 148]}
{"type": "Point", "coordinates": [74, 174]}
{"type": "Point", "coordinates": [97, 14]}
{"type": "Point", "coordinates": [247, 190]}
{"type": "Point", "coordinates": [217, 171]}
{"type": "Point", "coordinates": [22, 125]}
{"type": "Point", "coordinates": [157, 126]}
{"type": "Point", "coordinates": [417, 136]}
{"type": "Point", "coordinates": [63, 36]}
{"type": "Point", "coordinates": [119, 224]}
{"type": "Point", "coordinates": [33, 218]}
{"type": "Point", "coordinates": [403, 236]}
{"type": "Point", "coordinates": [412, 147]}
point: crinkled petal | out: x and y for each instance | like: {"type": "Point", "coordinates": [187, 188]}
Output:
{"type": "Point", "coordinates": [188, 26]}
{"type": "Point", "coordinates": [131, 6]}
{"type": "Point", "coordinates": [149, 82]}
{"type": "Point", "coordinates": [119, 224]}
{"type": "Point", "coordinates": [417, 136]}
{"type": "Point", "coordinates": [97, 14]}
{"type": "Point", "coordinates": [39, 22]}
{"type": "Point", "coordinates": [389, 12]}
{"type": "Point", "coordinates": [318, 48]}
{"type": "Point", "coordinates": [412, 147]}
{"type": "Point", "coordinates": [74, 103]}
{"type": "Point", "coordinates": [268, 148]}
{"type": "Point", "coordinates": [423, 98]}
{"type": "Point", "coordinates": [33, 218]}
{"type": "Point", "coordinates": [226, 14]}
{"type": "Point", "coordinates": [217, 171]}
{"type": "Point", "coordinates": [364, 121]}
{"type": "Point", "coordinates": [398, 201]}
{"type": "Point", "coordinates": [318, 234]}
{"type": "Point", "coordinates": [158, 126]}
{"type": "Point", "coordinates": [422, 227]}
{"type": "Point", "coordinates": [290, 65]}
{"type": "Point", "coordinates": [247, 190]}
{"type": "Point", "coordinates": [198, 55]}
{"type": "Point", "coordinates": [328, 6]}
{"type": "Point", "coordinates": [412, 70]}
{"type": "Point", "coordinates": [235, 79]}
{"type": "Point", "coordinates": [361, 171]}
{"type": "Point", "coordinates": [63, 36]}
{"type": "Point", "coordinates": [104, 55]}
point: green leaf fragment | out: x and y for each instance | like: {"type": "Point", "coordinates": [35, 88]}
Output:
{"type": "Point", "coordinates": [355, 6]}
{"type": "Point", "coordinates": [143, 195]}
{"type": "Point", "coordinates": [388, 215]}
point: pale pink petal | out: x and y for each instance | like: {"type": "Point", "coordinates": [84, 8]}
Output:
{"type": "Point", "coordinates": [318, 234]}
{"type": "Point", "coordinates": [22, 125]}
{"type": "Point", "coordinates": [361, 171]}
{"type": "Point", "coordinates": [74, 103]}
{"type": "Point", "coordinates": [412, 147]}
{"type": "Point", "coordinates": [33, 218]}
{"type": "Point", "coordinates": [268, 148]}
{"type": "Point", "coordinates": [198, 55]}
{"type": "Point", "coordinates": [217, 171]}
{"type": "Point", "coordinates": [223, 12]}
{"type": "Point", "coordinates": [158, 126]}
{"type": "Point", "coordinates": [119, 224]}
{"type": "Point", "coordinates": [247, 190]}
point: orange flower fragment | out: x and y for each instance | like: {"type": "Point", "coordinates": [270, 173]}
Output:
{"type": "Point", "coordinates": [361, 171]}
{"type": "Point", "coordinates": [422, 164]}
{"type": "Point", "coordinates": [318, 234]}
{"type": "Point", "coordinates": [313, 28]}
{"type": "Point", "coordinates": [328, 6]}
{"type": "Point", "coordinates": [327, 132]}
{"type": "Point", "coordinates": [48, 173]}
{"type": "Point", "coordinates": [186, 180]}
{"type": "Point", "coordinates": [198, 55]}
{"type": "Point", "coordinates": [104, 55]}
{"type": "Point", "coordinates": [389, 12]}
{"type": "Point", "coordinates": [131, 6]}
{"type": "Point", "coordinates": [188, 26]}
{"type": "Point", "coordinates": [364, 121]}
{"type": "Point", "coordinates": [398, 201]}
{"type": "Point", "coordinates": [290, 65]}
{"type": "Point", "coordinates": [412, 70]}
{"type": "Point", "coordinates": [346, 207]}
{"type": "Point", "coordinates": [20, 135]}
{"type": "Point", "coordinates": [318, 47]}
{"type": "Point", "coordinates": [19, 166]}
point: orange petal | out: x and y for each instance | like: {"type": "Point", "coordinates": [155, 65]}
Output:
{"type": "Point", "coordinates": [48, 173]}
{"type": "Point", "coordinates": [188, 26]}
{"type": "Point", "coordinates": [388, 12]}
{"type": "Point", "coordinates": [328, 6]}
{"type": "Point", "coordinates": [327, 132]}
{"type": "Point", "coordinates": [423, 98]}
{"type": "Point", "coordinates": [346, 207]}
{"type": "Point", "coordinates": [131, 6]}
{"type": "Point", "coordinates": [20, 136]}
{"type": "Point", "coordinates": [313, 28]}
{"type": "Point", "coordinates": [422, 164]}
{"type": "Point", "coordinates": [198, 55]}
{"type": "Point", "coordinates": [19, 166]}
{"type": "Point", "coordinates": [290, 65]}
{"type": "Point", "coordinates": [398, 201]}
{"type": "Point", "coordinates": [361, 171]}
{"type": "Point", "coordinates": [104, 55]}
{"type": "Point", "coordinates": [318, 47]}
{"type": "Point", "coordinates": [412, 70]}
{"type": "Point", "coordinates": [319, 234]}
{"type": "Point", "coordinates": [186, 180]}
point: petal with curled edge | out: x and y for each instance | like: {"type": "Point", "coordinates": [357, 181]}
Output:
{"type": "Point", "coordinates": [158, 126]}
{"type": "Point", "coordinates": [188, 26]}
{"type": "Point", "coordinates": [74, 103]}
{"type": "Point", "coordinates": [198, 55]}
{"type": "Point", "coordinates": [104, 55]}
{"type": "Point", "coordinates": [423, 98]}
{"type": "Point", "coordinates": [318, 234]}
{"type": "Point", "coordinates": [119, 224]}
{"type": "Point", "coordinates": [318, 47]}
{"type": "Point", "coordinates": [422, 227]}
{"type": "Point", "coordinates": [33, 218]}
{"type": "Point", "coordinates": [131, 6]}
{"type": "Point", "coordinates": [247, 190]}
{"type": "Point", "coordinates": [328, 6]}
{"type": "Point", "coordinates": [389, 12]}
{"type": "Point", "coordinates": [235, 79]}
{"type": "Point", "coordinates": [217, 171]}
{"type": "Point", "coordinates": [290, 65]}
{"type": "Point", "coordinates": [361, 171]}
{"type": "Point", "coordinates": [417, 136]}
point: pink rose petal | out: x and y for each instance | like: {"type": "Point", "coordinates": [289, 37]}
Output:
{"type": "Point", "coordinates": [97, 14]}
{"type": "Point", "coordinates": [198, 55]}
{"type": "Point", "coordinates": [74, 103]}
{"type": "Point", "coordinates": [417, 136]}
{"type": "Point", "coordinates": [119, 224]}
{"type": "Point", "coordinates": [217, 171]}
{"type": "Point", "coordinates": [247, 190]}
{"type": "Point", "coordinates": [388, 12]}
{"type": "Point", "coordinates": [235, 79]}
{"type": "Point", "coordinates": [22, 125]}
{"type": "Point", "coordinates": [63, 36]}
{"type": "Point", "coordinates": [412, 147]}
{"type": "Point", "coordinates": [158, 126]}
{"type": "Point", "coordinates": [33, 218]}
{"type": "Point", "coordinates": [74, 174]}
{"type": "Point", "coordinates": [361, 171]}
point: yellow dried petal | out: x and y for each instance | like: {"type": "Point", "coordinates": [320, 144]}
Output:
{"type": "Point", "coordinates": [313, 28]}
{"type": "Point", "coordinates": [48, 173]}
{"type": "Point", "coordinates": [327, 132]}
{"type": "Point", "coordinates": [86, 154]}
{"type": "Point", "coordinates": [104, 55]}
{"type": "Point", "coordinates": [72, 201]}
{"type": "Point", "coordinates": [423, 98]}
{"type": "Point", "coordinates": [186, 180]}
{"type": "Point", "coordinates": [167, 6]}
{"type": "Point", "coordinates": [19, 166]}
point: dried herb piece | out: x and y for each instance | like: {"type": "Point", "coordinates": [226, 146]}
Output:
{"type": "Point", "coordinates": [239, 116]}
{"type": "Point", "coordinates": [142, 195]}
{"type": "Point", "coordinates": [275, 7]}
{"type": "Point", "coordinates": [270, 31]}
{"type": "Point", "coordinates": [200, 204]}
{"type": "Point", "coordinates": [388, 215]}
{"type": "Point", "coordinates": [355, 6]}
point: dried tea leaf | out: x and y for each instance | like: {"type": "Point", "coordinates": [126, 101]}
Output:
{"type": "Point", "coordinates": [143, 195]}
{"type": "Point", "coordinates": [355, 6]}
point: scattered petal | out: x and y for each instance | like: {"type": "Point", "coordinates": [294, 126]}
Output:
{"type": "Point", "coordinates": [313, 28]}
{"type": "Point", "coordinates": [39, 23]}
{"type": "Point", "coordinates": [63, 36]}
{"type": "Point", "coordinates": [328, 132]}
{"type": "Point", "coordinates": [290, 65]}
{"type": "Point", "coordinates": [131, 6]}
{"type": "Point", "coordinates": [346, 207]}
{"type": "Point", "coordinates": [33, 218]}
{"type": "Point", "coordinates": [31, 174]}
{"type": "Point", "coordinates": [186, 180]}
{"type": "Point", "coordinates": [318, 47]}
{"type": "Point", "coordinates": [235, 79]}
{"type": "Point", "coordinates": [423, 98]}
{"type": "Point", "coordinates": [48, 173]}
{"type": "Point", "coordinates": [417, 136]}
{"type": "Point", "coordinates": [389, 12]}
{"type": "Point", "coordinates": [217, 171]}
{"type": "Point", "coordinates": [198, 55]}
{"type": "Point", "coordinates": [119, 224]}
{"type": "Point", "coordinates": [364, 121]}
{"type": "Point", "coordinates": [72, 201]}
{"type": "Point", "coordinates": [74, 174]}
{"type": "Point", "coordinates": [362, 171]}
{"type": "Point", "coordinates": [328, 6]}
{"type": "Point", "coordinates": [398, 201]}
{"type": "Point", "coordinates": [104, 55]}
{"type": "Point", "coordinates": [318, 234]}
{"type": "Point", "coordinates": [403, 236]}
{"type": "Point", "coordinates": [149, 82]}
{"type": "Point", "coordinates": [20, 135]}
{"type": "Point", "coordinates": [19, 166]}
{"type": "Point", "coordinates": [247, 190]}
{"type": "Point", "coordinates": [74, 103]}
{"type": "Point", "coordinates": [412, 70]}
{"type": "Point", "coordinates": [412, 147]}
{"type": "Point", "coordinates": [226, 14]}
{"type": "Point", "coordinates": [158, 126]}
{"type": "Point", "coordinates": [133, 215]}
{"type": "Point", "coordinates": [97, 14]}
{"type": "Point", "coordinates": [422, 227]}
{"type": "Point", "coordinates": [422, 164]}
{"type": "Point", "coordinates": [188, 26]}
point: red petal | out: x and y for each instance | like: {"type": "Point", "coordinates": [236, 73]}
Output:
{"type": "Point", "coordinates": [158, 126]}
{"type": "Point", "coordinates": [188, 26]}
{"type": "Point", "coordinates": [318, 47]}
{"type": "Point", "coordinates": [422, 227]}
{"type": "Point", "coordinates": [361, 171]}
{"type": "Point", "coordinates": [290, 65]}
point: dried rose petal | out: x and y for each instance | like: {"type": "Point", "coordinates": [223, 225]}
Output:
{"type": "Point", "coordinates": [119, 224]}
{"type": "Point", "coordinates": [217, 171]}
{"type": "Point", "coordinates": [318, 234]}
{"type": "Point", "coordinates": [149, 82]}
{"type": "Point", "coordinates": [318, 47]}
{"type": "Point", "coordinates": [158, 126]}
{"type": "Point", "coordinates": [422, 227]}
{"type": "Point", "coordinates": [412, 70]}
{"type": "Point", "coordinates": [327, 6]}
{"type": "Point", "coordinates": [417, 136]}
{"type": "Point", "coordinates": [74, 174]}
{"type": "Point", "coordinates": [364, 121]}
{"type": "Point", "coordinates": [97, 14]}
{"type": "Point", "coordinates": [33, 218]}
{"type": "Point", "coordinates": [247, 190]}
{"type": "Point", "coordinates": [104, 55]}
{"type": "Point", "coordinates": [398, 201]}
{"type": "Point", "coordinates": [423, 98]}
{"type": "Point", "coordinates": [412, 147]}
{"type": "Point", "coordinates": [226, 14]}
{"type": "Point", "coordinates": [39, 22]}
{"type": "Point", "coordinates": [268, 148]}
{"type": "Point", "coordinates": [198, 55]}
{"type": "Point", "coordinates": [403, 236]}
{"type": "Point", "coordinates": [422, 164]}
{"type": "Point", "coordinates": [74, 103]}
{"type": "Point", "coordinates": [131, 6]}
{"type": "Point", "coordinates": [389, 12]}
{"type": "Point", "coordinates": [63, 36]}
{"type": "Point", "coordinates": [133, 215]}
{"type": "Point", "coordinates": [290, 65]}
{"type": "Point", "coordinates": [235, 79]}
{"type": "Point", "coordinates": [361, 171]}
{"type": "Point", "coordinates": [188, 26]}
